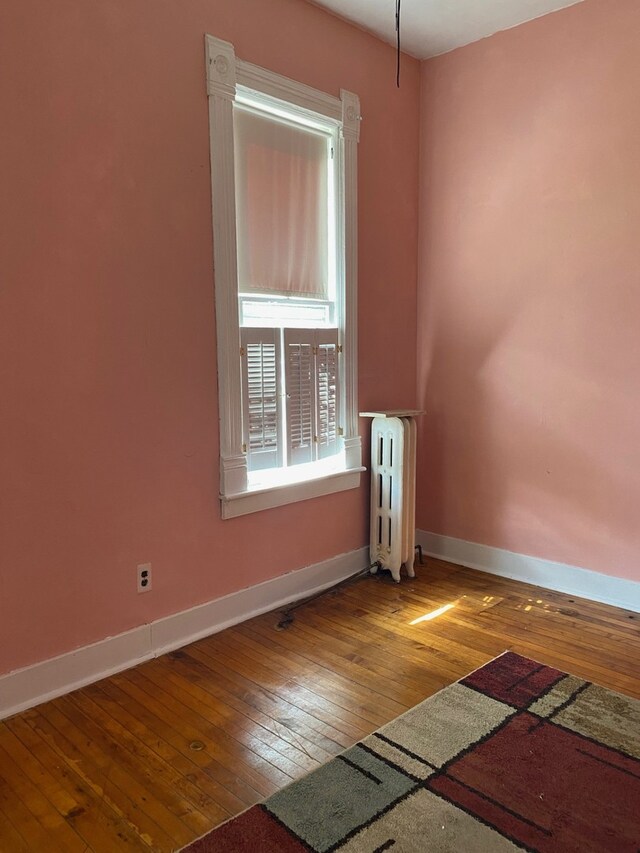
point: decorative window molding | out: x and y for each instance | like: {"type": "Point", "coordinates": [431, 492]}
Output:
{"type": "Point", "coordinates": [225, 75]}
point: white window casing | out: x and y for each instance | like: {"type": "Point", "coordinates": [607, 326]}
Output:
{"type": "Point", "coordinates": [250, 359]}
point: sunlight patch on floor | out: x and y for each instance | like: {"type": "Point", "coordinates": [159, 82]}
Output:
{"type": "Point", "coordinates": [433, 614]}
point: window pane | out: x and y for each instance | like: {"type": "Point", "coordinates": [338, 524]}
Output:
{"type": "Point", "coordinates": [281, 207]}
{"type": "Point", "coordinates": [260, 312]}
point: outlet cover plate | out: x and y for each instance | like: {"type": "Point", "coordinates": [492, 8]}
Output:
{"type": "Point", "coordinates": [144, 577]}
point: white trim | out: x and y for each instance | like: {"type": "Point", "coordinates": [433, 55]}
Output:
{"type": "Point", "coordinates": [225, 72]}
{"type": "Point", "coordinates": [350, 136]}
{"type": "Point", "coordinates": [221, 89]}
{"type": "Point", "coordinates": [582, 583]}
{"type": "Point", "coordinates": [25, 688]}
{"type": "Point", "coordinates": [254, 500]}
{"type": "Point", "coordinates": [284, 89]}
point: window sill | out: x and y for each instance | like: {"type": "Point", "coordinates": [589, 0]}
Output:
{"type": "Point", "coordinates": [259, 496]}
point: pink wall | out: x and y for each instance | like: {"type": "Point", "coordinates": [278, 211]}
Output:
{"type": "Point", "coordinates": [529, 289]}
{"type": "Point", "coordinates": [108, 415]}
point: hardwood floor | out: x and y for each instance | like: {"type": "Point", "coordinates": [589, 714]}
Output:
{"type": "Point", "coordinates": [154, 757]}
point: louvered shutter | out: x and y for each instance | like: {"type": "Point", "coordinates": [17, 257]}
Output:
{"type": "Point", "coordinates": [311, 376]}
{"type": "Point", "coordinates": [327, 392]}
{"type": "Point", "coordinates": [261, 397]}
{"type": "Point", "coordinates": [300, 394]}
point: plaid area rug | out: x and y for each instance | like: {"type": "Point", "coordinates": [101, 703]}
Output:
{"type": "Point", "coordinates": [516, 756]}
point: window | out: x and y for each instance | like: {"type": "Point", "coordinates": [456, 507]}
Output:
{"type": "Point", "coordinates": [283, 171]}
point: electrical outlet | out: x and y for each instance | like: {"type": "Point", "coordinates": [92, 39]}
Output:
{"type": "Point", "coordinates": [144, 577]}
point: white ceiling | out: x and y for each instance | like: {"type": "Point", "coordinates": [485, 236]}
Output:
{"type": "Point", "coordinates": [430, 27]}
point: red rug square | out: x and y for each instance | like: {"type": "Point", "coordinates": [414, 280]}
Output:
{"type": "Point", "coordinates": [253, 831]}
{"type": "Point", "coordinates": [505, 782]}
{"type": "Point", "coordinates": [513, 679]}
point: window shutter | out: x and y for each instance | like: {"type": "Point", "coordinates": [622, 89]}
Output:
{"type": "Point", "coordinates": [327, 392]}
{"type": "Point", "coordinates": [311, 376]}
{"type": "Point", "coordinates": [261, 397]}
{"type": "Point", "coordinates": [300, 385]}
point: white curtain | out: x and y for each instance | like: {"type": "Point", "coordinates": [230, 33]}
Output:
{"type": "Point", "coordinates": [281, 207]}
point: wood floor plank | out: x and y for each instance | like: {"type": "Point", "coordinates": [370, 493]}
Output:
{"type": "Point", "coordinates": [93, 818]}
{"type": "Point", "coordinates": [240, 682]}
{"type": "Point", "coordinates": [223, 735]}
{"type": "Point", "coordinates": [148, 759]}
{"type": "Point", "coordinates": [366, 666]}
{"type": "Point", "coordinates": [273, 662]}
{"type": "Point", "coordinates": [11, 837]}
{"type": "Point", "coordinates": [255, 705]}
{"type": "Point", "coordinates": [61, 835]}
{"type": "Point", "coordinates": [213, 780]}
{"type": "Point", "coordinates": [100, 770]}
{"type": "Point", "coordinates": [187, 801]}
{"type": "Point", "coordinates": [348, 694]}
{"type": "Point", "coordinates": [281, 661]}
{"type": "Point", "coordinates": [157, 800]}
{"type": "Point", "coordinates": [39, 775]}
{"type": "Point", "coordinates": [20, 818]}
{"type": "Point", "coordinates": [318, 704]}
{"type": "Point", "coordinates": [261, 702]}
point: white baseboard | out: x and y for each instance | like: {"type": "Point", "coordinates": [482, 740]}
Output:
{"type": "Point", "coordinates": [583, 583]}
{"type": "Point", "coordinates": [25, 688]}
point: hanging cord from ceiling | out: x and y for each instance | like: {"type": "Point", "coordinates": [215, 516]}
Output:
{"type": "Point", "coordinates": [398, 43]}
